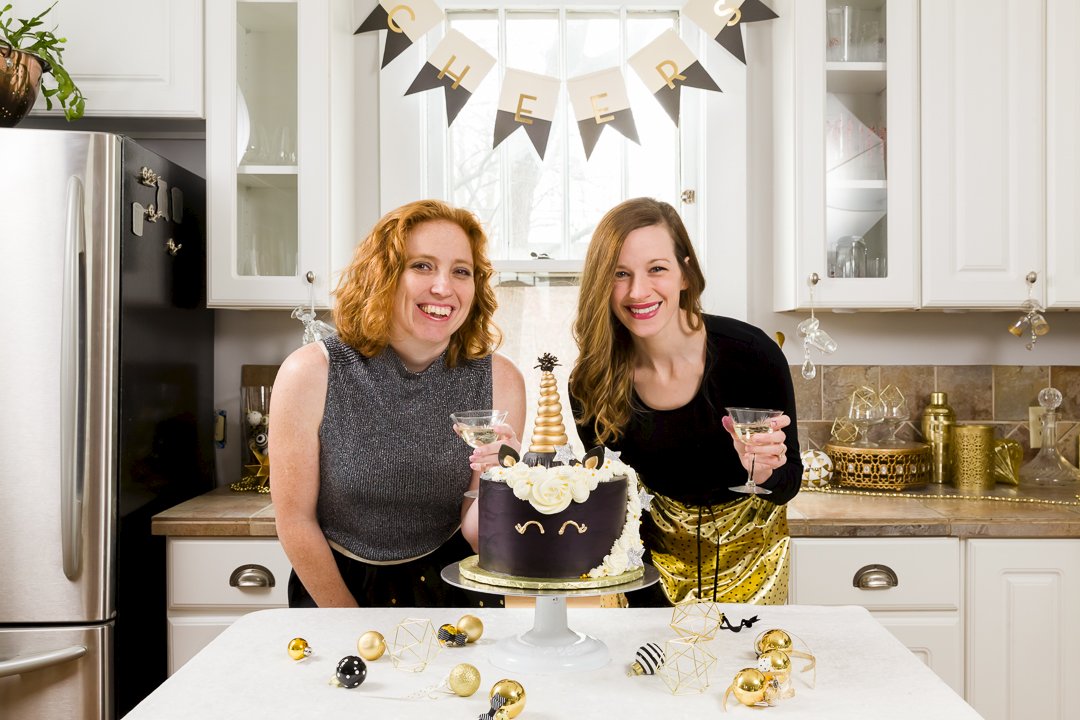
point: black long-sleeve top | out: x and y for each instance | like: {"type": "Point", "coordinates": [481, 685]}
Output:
{"type": "Point", "coordinates": [686, 454]}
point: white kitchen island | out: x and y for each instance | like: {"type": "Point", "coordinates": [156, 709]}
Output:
{"type": "Point", "coordinates": [862, 670]}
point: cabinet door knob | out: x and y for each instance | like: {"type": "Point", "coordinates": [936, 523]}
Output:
{"type": "Point", "coordinates": [251, 576]}
{"type": "Point", "coordinates": [875, 577]}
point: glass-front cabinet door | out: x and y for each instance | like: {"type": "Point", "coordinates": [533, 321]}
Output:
{"type": "Point", "coordinates": [271, 112]}
{"type": "Point", "coordinates": [847, 154]}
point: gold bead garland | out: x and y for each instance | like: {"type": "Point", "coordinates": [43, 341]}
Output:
{"type": "Point", "coordinates": [919, 496]}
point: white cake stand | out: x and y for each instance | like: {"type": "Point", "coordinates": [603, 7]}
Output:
{"type": "Point", "coordinates": [550, 646]}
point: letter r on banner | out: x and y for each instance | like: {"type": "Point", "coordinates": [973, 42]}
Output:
{"type": "Point", "coordinates": [669, 79]}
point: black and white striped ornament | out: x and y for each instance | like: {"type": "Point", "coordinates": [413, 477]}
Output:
{"type": "Point", "coordinates": [649, 658]}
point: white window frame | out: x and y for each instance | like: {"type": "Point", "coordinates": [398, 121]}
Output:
{"type": "Point", "coordinates": [714, 165]}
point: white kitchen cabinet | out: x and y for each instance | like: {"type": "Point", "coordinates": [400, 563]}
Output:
{"type": "Point", "coordinates": [999, 154]}
{"type": "Point", "coordinates": [279, 149]}
{"type": "Point", "coordinates": [1023, 634]}
{"type": "Point", "coordinates": [130, 58]}
{"type": "Point", "coordinates": [1063, 155]}
{"type": "Point", "coordinates": [214, 581]}
{"type": "Point", "coordinates": [838, 186]}
{"type": "Point", "coordinates": [911, 585]}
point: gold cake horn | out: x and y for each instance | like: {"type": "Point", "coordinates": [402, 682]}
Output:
{"type": "Point", "coordinates": [548, 429]}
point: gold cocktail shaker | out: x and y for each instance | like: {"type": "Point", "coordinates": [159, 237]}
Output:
{"type": "Point", "coordinates": [937, 428]}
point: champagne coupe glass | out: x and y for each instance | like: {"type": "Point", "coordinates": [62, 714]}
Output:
{"type": "Point", "coordinates": [866, 410]}
{"type": "Point", "coordinates": [895, 409]}
{"type": "Point", "coordinates": [748, 423]}
{"type": "Point", "coordinates": [478, 426]}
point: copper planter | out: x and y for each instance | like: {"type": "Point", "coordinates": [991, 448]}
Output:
{"type": "Point", "coordinates": [20, 78]}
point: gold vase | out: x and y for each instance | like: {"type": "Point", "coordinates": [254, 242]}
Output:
{"type": "Point", "coordinates": [972, 456]}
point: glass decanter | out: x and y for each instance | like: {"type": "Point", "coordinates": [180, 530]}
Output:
{"type": "Point", "coordinates": [1049, 468]}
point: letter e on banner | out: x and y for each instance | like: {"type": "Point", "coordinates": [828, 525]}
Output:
{"type": "Point", "coordinates": [598, 112]}
{"type": "Point", "coordinates": [522, 111]}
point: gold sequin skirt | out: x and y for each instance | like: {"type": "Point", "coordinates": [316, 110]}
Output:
{"type": "Point", "coordinates": [737, 552]}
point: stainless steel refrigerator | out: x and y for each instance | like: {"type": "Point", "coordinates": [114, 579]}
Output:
{"type": "Point", "coordinates": [106, 372]}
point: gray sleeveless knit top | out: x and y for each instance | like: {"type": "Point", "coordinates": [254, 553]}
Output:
{"type": "Point", "coordinates": [391, 469]}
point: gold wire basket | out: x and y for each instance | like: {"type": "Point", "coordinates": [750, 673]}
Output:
{"type": "Point", "coordinates": [880, 468]}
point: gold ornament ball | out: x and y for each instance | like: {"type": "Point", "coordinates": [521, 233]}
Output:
{"type": "Point", "coordinates": [371, 645]}
{"type": "Point", "coordinates": [464, 679]}
{"type": "Point", "coordinates": [472, 626]}
{"type": "Point", "coordinates": [299, 648]}
{"type": "Point", "coordinates": [513, 693]}
{"type": "Point", "coordinates": [749, 686]}
{"type": "Point", "coordinates": [502, 714]}
{"type": "Point", "coordinates": [775, 662]}
{"type": "Point", "coordinates": [774, 639]}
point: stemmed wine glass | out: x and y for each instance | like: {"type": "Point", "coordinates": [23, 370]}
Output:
{"type": "Point", "coordinates": [477, 427]}
{"type": "Point", "coordinates": [866, 410]}
{"type": "Point", "coordinates": [895, 409]}
{"type": "Point", "coordinates": [748, 423]}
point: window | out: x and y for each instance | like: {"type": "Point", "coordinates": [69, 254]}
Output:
{"type": "Point", "coordinates": [540, 214]}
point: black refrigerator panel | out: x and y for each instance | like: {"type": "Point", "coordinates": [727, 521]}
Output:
{"type": "Point", "coordinates": [166, 397]}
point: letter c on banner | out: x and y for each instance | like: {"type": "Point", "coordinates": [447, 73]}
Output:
{"type": "Point", "coordinates": [393, 11]}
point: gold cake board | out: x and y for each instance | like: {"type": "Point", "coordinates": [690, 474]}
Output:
{"type": "Point", "coordinates": [470, 569]}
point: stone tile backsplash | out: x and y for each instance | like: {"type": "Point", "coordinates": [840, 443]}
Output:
{"type": "Point", "coordinates": [997, 395]}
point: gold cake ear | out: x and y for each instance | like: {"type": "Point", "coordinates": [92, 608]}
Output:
{"type": "Point", "coordinates": [508, 457]}
{"type": "Point", "coordinates": [594, 458]}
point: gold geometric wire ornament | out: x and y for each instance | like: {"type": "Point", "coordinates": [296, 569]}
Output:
{"type": "Point", "coordinates": [414, 645]}
{"type": "Point", "coordinates": [843, 430]}
{"type": "Point", "coordinates": [696, 619]}
{"type": "Point", "coordinates": [686, 665]}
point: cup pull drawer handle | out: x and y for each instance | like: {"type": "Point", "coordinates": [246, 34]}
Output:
{"type": "Point", "coordinates": [875, 577]}
{"type": "Point", "coordinates": [251, 576]}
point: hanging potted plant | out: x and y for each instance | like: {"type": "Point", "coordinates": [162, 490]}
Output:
{"type": "Point", "coordinates": [27, 53]}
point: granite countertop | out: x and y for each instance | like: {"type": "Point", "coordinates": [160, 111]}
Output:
{"type": "Point", "coordinates": [933, 513]}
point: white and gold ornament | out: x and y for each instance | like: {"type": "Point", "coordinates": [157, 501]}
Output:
{"type": "Point", "coordinates": [817, 468]}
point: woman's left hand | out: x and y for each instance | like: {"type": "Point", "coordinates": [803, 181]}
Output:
{"type": "Point", "coordinates": [765, 452]}
{"type": "Point", "coordinates": [487, 456]}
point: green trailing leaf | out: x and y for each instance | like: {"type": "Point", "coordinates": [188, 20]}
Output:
{"type": "Point", "coordinates": [22, 34]}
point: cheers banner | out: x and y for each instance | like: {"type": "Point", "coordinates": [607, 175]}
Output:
{"type": "Point", "coordinates": [665, 65]}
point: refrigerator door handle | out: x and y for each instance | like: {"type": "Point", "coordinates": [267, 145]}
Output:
{"type": "Point", "coordinates": [29, 663]}
{"type": "Point", "coordinates": [73, 382]}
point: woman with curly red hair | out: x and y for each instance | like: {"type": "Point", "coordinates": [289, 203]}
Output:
{"type": "Point", "coordinates": [369, 476]}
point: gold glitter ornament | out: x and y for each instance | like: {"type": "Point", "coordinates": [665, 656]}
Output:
{"type": "Point", "coordinates": [464, 679]}
{"type": "Point", "coordinates": [472, 626]}
{"type": "Point", "coordinates": [513, 693]}
{"type": "Point", "coordinates": [299, 648]}
{"type": "Point", "coordinates": [371, 645]}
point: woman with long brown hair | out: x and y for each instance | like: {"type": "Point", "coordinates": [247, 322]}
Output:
{"type": "Point", "coordinates": [652, 380]}
{"type": "Point", "coordinates": [369, 476]}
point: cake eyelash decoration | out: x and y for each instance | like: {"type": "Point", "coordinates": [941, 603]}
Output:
{"type": "Point", "coordinates": [522, 528]}
{"type": "Point", "coordinates": [580, 528]}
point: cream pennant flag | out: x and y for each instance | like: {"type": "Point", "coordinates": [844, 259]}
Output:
{"type": "Point", "coordinates": [458, 65]}
{"type": "Point", "coordinates": [722, 20]}
{"type": "Point", "coordinates": [526, 100]}
{"type": "Point", "coordinates": [406, 22]}
{"type": "Point", "coordinates": [667, 64]}
{"type": "Point", "coordinates": [599, 99]}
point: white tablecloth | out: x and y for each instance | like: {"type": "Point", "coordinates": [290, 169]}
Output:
{"type": "Point", "coordinates": [862, 670]}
